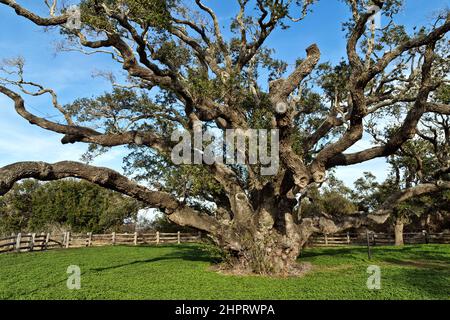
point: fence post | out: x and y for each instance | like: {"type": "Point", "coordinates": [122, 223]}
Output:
{"type": "Point", "coordinates": [18, 239]}
{"type": "Point", "coordinates": [43, 240]}
{"type": "Point", "coordinates": [47, 239]}
{"type": "Point", "coordinates": [178, 237]}
{"type": "Point", "coordinates": [368, 245]}
{"type": "Point", "coordinates": [326, 238]}
{"type": "Point", "coordinates": [135, 238]}
{"type": "Point", "coordinates": [67, 239]}
{"type": "Point", "coordinates": [157, 237]}
{"type": "Point", "coordinates": [13, 242]}
{"type": "Point", "coordinates": [113, 238]}
{"type": "Point", "coordinates": [31, 245]}
{"type": "Point", "coordinates": [348, 237]}
{"type": "Point", "coordinates": [427, 239]}
{"type": "Point", "coordinates": [89, 239]}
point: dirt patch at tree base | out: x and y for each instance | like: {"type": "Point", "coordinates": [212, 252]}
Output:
{"type": "Point", "coordinates": [296, 270]}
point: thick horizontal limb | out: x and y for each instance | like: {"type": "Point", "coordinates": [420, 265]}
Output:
{"type": "Point", "coordinates": [326, 224]}
{"type": "Point", "coordinates": [21, 11]}
{"type": "Point", "coordinates": [109, 179]}
{"type": "Point", "coordinates": [73, 133]}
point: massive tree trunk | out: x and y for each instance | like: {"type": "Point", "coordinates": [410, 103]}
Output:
{"type": "Point", "coordinates": [398, 229]}
{"type": "Point", "coordinates": [269, 252]}
{"type": "Point", "coordinates": [259, 246]}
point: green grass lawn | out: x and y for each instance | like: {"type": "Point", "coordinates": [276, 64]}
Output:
{"type": "Point", "coordinates": [183, 272]}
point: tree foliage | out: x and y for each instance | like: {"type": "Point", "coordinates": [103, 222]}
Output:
{"type": "Point", "coordinates": [67, 204]}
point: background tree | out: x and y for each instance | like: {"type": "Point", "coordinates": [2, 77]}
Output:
{"type": "Point", "coordinates": [16, 207]}
{"type": "Point", "coordinates": [67, 204]}
{"type": "Point", "coordinates": [177, 48]}
{"type": "Point", "coordinates": [162, 224]}
{"type": "Point", "coordinates": [332, 199]}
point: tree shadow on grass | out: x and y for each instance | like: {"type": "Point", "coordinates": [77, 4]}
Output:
{"type": "Point", "coordinates": [423, 269]}
{"type": "Point", "coordinates": [411, 252]}
{"type": "Point", "coordinates": [49, 285]}
{"type": "Point", "coordinates": [433, 283]}
{"type": "Point", "coordinates": [421, 264]}
{"type": "Point", "coordinates": [335, 251]}
{"type": "Point", "coordinates": [183, 252]}
{"type": "Point", "coordinates": [414, 268]}
{"type": "Point", "coordinates": [425, 253]}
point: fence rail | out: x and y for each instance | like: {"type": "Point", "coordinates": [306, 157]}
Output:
{"type": "Point", "coordinates": [36, 242]}
{"type": "Point", "coordinates": [382, 239]}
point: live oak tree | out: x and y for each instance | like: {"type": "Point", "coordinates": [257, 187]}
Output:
{"type": "Point", "coordinates": [178, 50]}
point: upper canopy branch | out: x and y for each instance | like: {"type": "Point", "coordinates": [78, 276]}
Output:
{"type": "Point", "coordinates": [280, 89]}
{"type": "Point", "coordinates": [356, 34]}
{"type": "Point", "coordinates": [279, 92]}
{"type": "Point", "coordinates": [422, 40]}
{"type": "Point", "coordinates": [270, 16]}
{"type": "Point", "coordinates": [332, 154]}
{"type": "Point", "coordinates": [217, 32]}
{"type": "Point", "coordinates": [21, 11]}
{"type": "Point", "coordinates": [437, 108]}
{"type": "Point", "coordinates": [407, 129]}
{"type": "Point", "coordinates": [148, 71]}
{"type": "Point", "coordinates": [22, 84]}
{"type": "Point", "coordinates": [74, 133]}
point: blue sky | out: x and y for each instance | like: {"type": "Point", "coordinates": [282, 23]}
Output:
{"type": "Point", "coordinates": [70, 75]}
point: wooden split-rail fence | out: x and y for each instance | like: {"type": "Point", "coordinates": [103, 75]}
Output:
{"type": "Point", "coordinates": [35, 242]}
{"type": "Point", "coordinates": [43, 241]}
{"type": "Point", "coordinates": [374, 239]}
